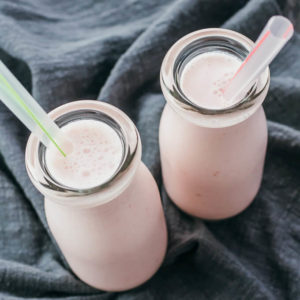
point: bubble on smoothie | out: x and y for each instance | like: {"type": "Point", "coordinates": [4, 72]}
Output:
{"type": "Point", "coordinates": [96, 155]}
{"type": "Point", "coordinates": [205, 77]}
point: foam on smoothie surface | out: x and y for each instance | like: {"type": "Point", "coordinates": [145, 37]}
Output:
{"type": "Point", "coordinates": [96, 155]}
{"type": "Point", "coordinates": [204, 77]}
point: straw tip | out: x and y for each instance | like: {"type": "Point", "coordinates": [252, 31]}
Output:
{"type": "Point", "coordinates": [281, 27]}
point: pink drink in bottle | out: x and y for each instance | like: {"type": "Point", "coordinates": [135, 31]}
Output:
{"type": "Point", "coordinates": [101, 202]}
{"type": "Point", "coordinates": [212, 149]}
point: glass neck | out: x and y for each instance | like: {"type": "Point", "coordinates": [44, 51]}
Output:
{"type": "Point", "coordinates": [113, 186]}
{"type": "Point", "coordinates": [197, 43]}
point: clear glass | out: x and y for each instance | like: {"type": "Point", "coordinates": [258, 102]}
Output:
{"type": "Point", "coordinates": [114, 235]}
{"type": "Point", "coordinates": [212, 167]}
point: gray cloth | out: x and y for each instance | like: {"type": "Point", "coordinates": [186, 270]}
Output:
{"type": "Point", "coordinates": [112, 51]}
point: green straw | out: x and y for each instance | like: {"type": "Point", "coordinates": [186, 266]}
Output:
{"type": "Point", "coordinates": [23, 105]}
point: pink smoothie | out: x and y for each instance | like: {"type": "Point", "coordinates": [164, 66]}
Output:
{"type": "Point", "coordinates": [212, 173]}
{"type": "Point", "coordinates": [205, 77]}
{"type": "Point", "coordinates": [96, 155]}
{"type": "Point", "coordinates": [114, 237]}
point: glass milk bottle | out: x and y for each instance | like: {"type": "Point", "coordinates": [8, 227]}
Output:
{"type": "Point", "coordinates": [113, 234]}
{"type": "Point", "coordinates": [212, 150]}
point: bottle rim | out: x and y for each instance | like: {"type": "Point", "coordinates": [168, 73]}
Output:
{"type": "Point", "coordinates": [196, 43]}
{"type": "Point", "coordinates": [131, 148]}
